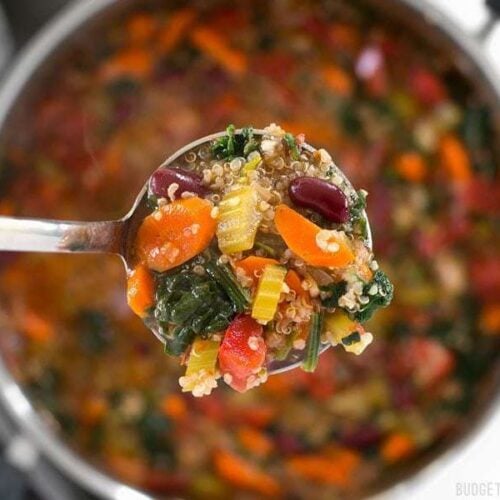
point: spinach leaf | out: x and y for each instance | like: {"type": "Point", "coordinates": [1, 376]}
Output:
{"type": "Point", "coordinates": [234, 144]}
{"type": "Point", "coordinates": [382, 297]}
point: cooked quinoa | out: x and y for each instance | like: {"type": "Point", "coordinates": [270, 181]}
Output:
{"type": "Point", "coordinates": [272, 235]}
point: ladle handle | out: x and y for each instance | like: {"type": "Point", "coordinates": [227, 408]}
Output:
{"type": "Point", "coordinates": [37, 235]}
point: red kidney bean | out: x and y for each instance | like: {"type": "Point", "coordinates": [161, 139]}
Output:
{"type": "Point", "coordinates": [321, 196]}
{"type": "Point", "coordinates": [163, 178]}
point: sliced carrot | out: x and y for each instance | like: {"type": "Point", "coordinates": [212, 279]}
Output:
{"type": "Point", "coordinates": [141, 27]}
{"type": "Point", "coordinates": [175, 233]}
{"type": "Point", "coordinates": [397, 446]}
{"type": "Point", "coordinates": [336, 469]}
{"type": "Point", "coordinates": [132, 62]}
{"type": "Point", "coordinates": [93, 409]}
{"type": "Point", "coordinates": [337, 80]}
{"type": "Point", "coordinates": [215, 46]}
{"type": "Point", "coordinates": [256, 415]}
{"type": "Point", "coordinates": [254, 266]}
{"type": "Point", "coordinates": [175, 28]}
{"type": "Point", "coordinates": [490, 319]}
{"type": "Point", "coordinates": [237, 471]}
{"type": "Point", "coordinates": [455, 158]}
{"type": "Point", "coordinates": [174, 407]}
{"type": "Point", "coordinates": [300, 233]}
{"type": "Point", "coordinates": [345, 37]}
{"type": "Point", "coordinates": [37, 328]}
{"type": "Point", "coordinates": [7, 207]}
{"type": "Point", "coordinates": [411, 166]}
{"type": "Point", "coordinates": [255, 441]}
{"type": "Point", "coordinates": [295, 283]}
{"type": "Point", "coordinates": [140, 290]}
{"type": "Point", "coordinates": [131, 469]}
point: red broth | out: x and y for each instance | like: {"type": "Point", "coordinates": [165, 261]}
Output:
{"type": "Point", "coordinates": [402, 124]}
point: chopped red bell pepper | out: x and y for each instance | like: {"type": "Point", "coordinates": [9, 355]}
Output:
{"type": "Point", "coordinates": [242, 352]}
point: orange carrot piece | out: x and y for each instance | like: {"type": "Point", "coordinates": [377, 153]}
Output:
{"type": "Point", "coordinates": [337, 80]}
{"type": "Point", "coordinates": [132, 62]}
{"type": "Point", "coordinates": [174, 407]}
{"type": "Point", "coordinates": [455, 158]}
{"type": "Point", "coordinates": [175, 28]}
{"type": "Point", "coordinates": [140, 290]}
{"type": "Point", "coordinates": [254, 266]}
{"type": "Point", "coordinates": [294, 282]}
{"type": "Point", "coordinates": [215, 46]}
{"type": "Point", "coordinates": [345, 37]}
{"type": "Point", "coordinates": [237, 471]}
{"type": "Point", "coordinates": [396, 447]}
{"type": "Point", "coordinates": [490, 319]}
{"type": "Point", "coordinates": [37, 328]}
{"type": "Point", "coordinates": [300, 233]}
{"type": "Point", "coordinates": [337, 469]}
{"type": "Point", "coordinates": [411, 166]}
{"type": "Point", "coordinates": [141, 27]}
{"type": "Point", "coordinates": [175, 233]}
{"type": "Point", "coordinates": [256, 442]}
{"type": "Point", "coordinates": [93, 409]}
{"type": "Point", "coordinates": [131, 469]}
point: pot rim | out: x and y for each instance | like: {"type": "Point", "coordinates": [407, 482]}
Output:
{"type": "Point", "coordinates": [73, 16]}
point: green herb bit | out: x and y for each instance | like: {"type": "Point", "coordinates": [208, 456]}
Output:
{"type": "Point", "coordinates": [351, 339]}
{"type": "Point", "coordinates": [313, 343]}
{"type": "Point", "coordinates": [234, 145]}
{"type": "Point", "coordinates": [335, 291]}
{"type": "Point", "coordinates": [292, 146]}
{"type": "Point", "coordinates": [358, 207]}
{"type": "Point", "coordinates": [380, 291]}
{"type": "Point", "coordinates": [357, 214]}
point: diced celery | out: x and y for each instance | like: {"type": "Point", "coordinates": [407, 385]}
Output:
{"type": "Point", "coordinates": [250, 166]}
{"type": "Point", "coordinates": [203, 356]}
{"type": "Point", "coordinates": [268, 293]}
{"type": "Point", "coordinates": [338, 326]}
{"type": "Point", "coordinates": [238, 220]}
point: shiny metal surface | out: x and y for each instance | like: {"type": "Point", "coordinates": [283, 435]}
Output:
{"type": "Point", "coordinates": [417, 15]}
{"type": "Point", "coordinates": [38, 235]}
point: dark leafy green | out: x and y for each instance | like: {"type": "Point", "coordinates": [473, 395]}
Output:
{"type": "Point", "coordinates": [382, 298]}
{"type": "Point", "coordinates": [351, 339]}
{"type": "Point", "coordinates": [234, 144]}
{"type": "Point", "coordinates": [356, 214]}
{"type": "Point", "coordinates": [94, 330]}
{"type": "Point", "coordinates": [335, 291]}
{"type": "Point", "coordinates": [190, 305]}
{"type": "Point", "coordinates": [313, 343]}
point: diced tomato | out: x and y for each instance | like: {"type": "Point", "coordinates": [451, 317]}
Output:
{"type": "Point", "coordinates": [426, 86]}
{"type": "Point", "coordinates": [481, 196]}
{"type": "Point", "coordinates": [239, 357]}
{"type": "Point", "coordinates": [485, 277]}
{"type": "Point", "coordinates": [431, 361]}
{"type": "Point", "coordinates": [276, 65]}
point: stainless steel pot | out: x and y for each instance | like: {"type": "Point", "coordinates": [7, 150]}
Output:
{"type": "Point", "coordinates": [420, 17]}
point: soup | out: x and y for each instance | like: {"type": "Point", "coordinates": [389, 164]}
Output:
{"type": "Point", "coordinates": [402, 124]}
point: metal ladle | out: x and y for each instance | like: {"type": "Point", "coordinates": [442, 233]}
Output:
{"type": "Point", "coordinates": [117, 237]}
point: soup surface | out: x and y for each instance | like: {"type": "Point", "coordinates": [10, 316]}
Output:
{"type": "Point", "coordinates": [402, 124]}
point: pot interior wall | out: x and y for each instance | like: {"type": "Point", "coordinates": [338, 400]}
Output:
{"type": "Point", "coordinates": [401, 14]}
